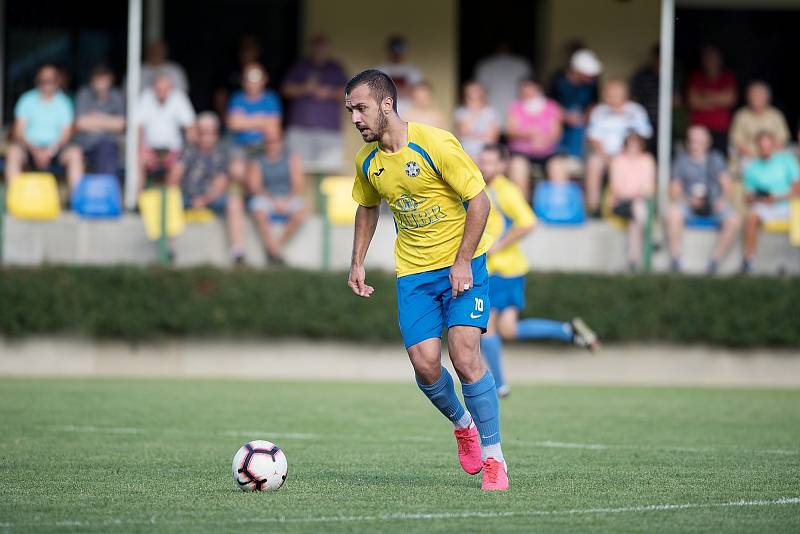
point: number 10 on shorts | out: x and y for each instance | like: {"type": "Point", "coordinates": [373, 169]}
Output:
{"type": "Point", "coordinates": [478, 304]}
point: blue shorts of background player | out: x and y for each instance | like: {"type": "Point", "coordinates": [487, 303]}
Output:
{"type": "Point", "coordinates": [426, 305]}
{"type": "Point", "coordinates": [507, 292]}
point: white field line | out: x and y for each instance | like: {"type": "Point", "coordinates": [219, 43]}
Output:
{"type": "Point", "coordinates": [152, 520]}
{"type": "Point", "coordinates": [529, 513]}
{"type": "Point", "coordinates": [548, 444]}
{"type": "Point", "coordinates": [100, 429]}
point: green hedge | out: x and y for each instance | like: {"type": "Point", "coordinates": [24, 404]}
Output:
{"type": "Point", "coordinates": [135, 303]}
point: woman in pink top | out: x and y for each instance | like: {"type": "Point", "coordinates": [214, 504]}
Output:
{"type": "Point", "coordinates": [632, 175]}
{"type": "Point", "coordinates": [534, 131]}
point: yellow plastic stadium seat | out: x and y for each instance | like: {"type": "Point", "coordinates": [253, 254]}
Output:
{"type": "Point", "coordinates": [607, 211]}
{"type": "Point", "coordinates": [776, 227]}
{"type": "Point", "coordinates": [794, 223]}
{"type": "Point", "coordinates": [202, 215]}
{"type": "Point", "coordinates": [34, 195]}
{"type": "Point", "coordinates": [150, 209]}
{"type": "Point", "coordinates": [341, 208]}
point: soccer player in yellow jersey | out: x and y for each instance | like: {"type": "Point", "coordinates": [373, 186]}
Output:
{"type": "Point", "coordinates": [510, 219]}
{"type": "Point", "coordinates": [436, 195]}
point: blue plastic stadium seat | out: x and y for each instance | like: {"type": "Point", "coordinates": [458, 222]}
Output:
{"type": "Point", "coordinates": [559, 203]}
{"type": "Point", "coordinates": [97, 196]}
{"type": "Point", "coordinates": [702, 223]}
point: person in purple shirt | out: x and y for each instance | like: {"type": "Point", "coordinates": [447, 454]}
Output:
{"type": "Point", "coordinates": [314, 88]}
{"type": "Point", "coordinates": [255, 111]}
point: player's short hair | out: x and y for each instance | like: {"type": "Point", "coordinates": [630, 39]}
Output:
{"type": "Point", "coordinates": [499, 148]}
{"type": "Point", "coordinates": [380, 85]}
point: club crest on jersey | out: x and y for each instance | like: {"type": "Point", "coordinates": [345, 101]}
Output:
{"type": "Point", "coordinates": [412, 169]}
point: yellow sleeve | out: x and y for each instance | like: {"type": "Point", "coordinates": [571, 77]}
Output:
{"type": "Point", "coordinates": [512, 203]}
{"type": "Point", "coordinates": [363, 191]}
{"type": "Point", "coordinates": [457, 168]}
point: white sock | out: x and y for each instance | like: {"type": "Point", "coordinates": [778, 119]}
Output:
{"type": "Point", "coordinates": [465, 420]}
{"type": "Point", "coordinates": [495, 451]}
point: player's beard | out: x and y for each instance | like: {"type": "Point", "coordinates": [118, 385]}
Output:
{"type": "Point", "coordinates": [379, 130]}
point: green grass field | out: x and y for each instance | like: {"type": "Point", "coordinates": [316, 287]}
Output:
{"type": "Point", "coordinates": [154, 455]}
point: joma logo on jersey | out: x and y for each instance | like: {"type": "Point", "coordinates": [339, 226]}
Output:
{"type": "Point", "coordinates": [412, 169]}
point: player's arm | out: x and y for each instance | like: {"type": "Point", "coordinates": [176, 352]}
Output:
{"type": "Point", "coordinates": [461, 271]}
{"type": "Point", "coordinates": [368, 199]}
{"type": "Point", "coordinates": [523, 221]}
{"type": "Point", "coordinates": [366, 222]}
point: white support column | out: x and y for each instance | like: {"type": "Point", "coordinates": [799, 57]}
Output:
{"type": "Point", "coordinates": [667, 53]}
{"type": "Point", "coordinates": [154, 21]}
{"type": "Point", "coordinates": [132, 98]}
{"type": "Point", "coordinates": [2, 57]}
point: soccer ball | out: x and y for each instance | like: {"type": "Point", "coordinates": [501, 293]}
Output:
{"type": "Point", "coordinates": [259, 466]}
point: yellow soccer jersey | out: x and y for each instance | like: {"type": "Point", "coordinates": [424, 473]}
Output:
{"type": "Point", "coordinates": [509, 209]}
{"type": "Point", "coordinates": [426, 184]}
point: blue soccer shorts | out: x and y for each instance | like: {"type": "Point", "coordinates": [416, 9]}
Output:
{"type": "Point", "coordinates": [426, 305]}
{"type": "Point", "coordinates": [507, 292]}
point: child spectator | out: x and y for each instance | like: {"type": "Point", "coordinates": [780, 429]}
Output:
{"type": "Point", "coordinates": [770, 181]}
{"type": "Point", "coordinates": [609, 125]}
{"type": "Point", "coordinates": [632, 183]}
{"type": "Point", "coordinates": [201, 174]}
{"type": "Point", "coordinates": [276, 182]}
{"type": "Point", "coordinates": [477, 123]}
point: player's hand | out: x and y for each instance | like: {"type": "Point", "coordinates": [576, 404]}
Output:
{"type": "Point", "coordinates": [357, 283]}
{"type": "Point", "coordinates": [460, 277]}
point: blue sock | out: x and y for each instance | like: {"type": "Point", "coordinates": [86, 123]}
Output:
{"type": "Point", "coordinates": [442, 394]}
{"type": "Point", "coordinates": [544, 329]}
{"type": "Point", "coordinates": [492, 350]}
{"type": "Point", "coordinates": [481, 400]}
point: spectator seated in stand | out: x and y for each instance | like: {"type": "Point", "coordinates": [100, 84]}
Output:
{"type": "Point", "coordinates": [770, 181]}
{"type": "Point", "coordinates": [423, 108]}
{"type": "Point", "coordinates": [499, 75]}
{"type": "Point", "coordinates": [404, 74]}
{"type": "Point", "coordinates": [609, 125]}
{"type": "Point", "coordinates": [632, 183]}
{"type": "Point", "coordinates": [534, 131]}
{"type": "Point", "coordinates": [165, 118]}
{"type": "Point", "coordinates": [42, 129]}
{"type": "Point", "coordinates": [254, 112]}
{"type": "Point", "coordinates": [757, 116]}
{"type": "Point", "coordinates": [276, 181]}
{"type": "Point", "coordinates": [100, 121]}
{"type": "Point", "coordinates": [701, 187]}
{"type": "Point", "coordinates": [477, 123]}
{"type": "Point", "coordinates": [201, 174]}
{"type": "Point", "coordinates": [557, 200]}
{"type": "Point", "coordinates": [315, 86]}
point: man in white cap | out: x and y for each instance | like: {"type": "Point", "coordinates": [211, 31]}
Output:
{"type": "Point", "coordinates": [576, 91]}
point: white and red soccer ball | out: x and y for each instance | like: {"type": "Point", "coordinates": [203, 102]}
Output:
{"type": "Point", "coordinates": [259, 466]}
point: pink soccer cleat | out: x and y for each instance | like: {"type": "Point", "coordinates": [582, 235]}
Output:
{"type": "Point", "coordinates": [495, 475]}
{"type": "Point", "coordinates": [469, 449]}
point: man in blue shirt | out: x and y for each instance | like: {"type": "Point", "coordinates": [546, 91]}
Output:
{"type": "Point", "coordinates": [769, 182]}
{"type": "Point", "coordinates": [255, 111]}
{"type": "Point", "coordinates": [42, 127]}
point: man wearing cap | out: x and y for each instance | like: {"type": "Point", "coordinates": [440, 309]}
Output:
{"type": "Point", "coordinates": [404, 75]}
{"type": "Point", "coordinates": [576, 91]}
